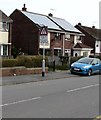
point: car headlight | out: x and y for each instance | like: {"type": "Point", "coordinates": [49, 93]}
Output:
{"type": "Point", "coordinates": [72, 65]}
{"type": "Point", "coordinates": [86, 67]}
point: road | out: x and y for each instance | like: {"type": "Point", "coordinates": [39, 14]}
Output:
{"type": "Point", "coordinates": [74, 97]}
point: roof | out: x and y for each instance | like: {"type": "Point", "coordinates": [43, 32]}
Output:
{"type": "Point", "coordinates": [64, 24]}
{"type": "Point", "coordinates": [81, 45]}
{"type": "Point", "coordinates": [94, 32]}
{"type": "Point", "coordinates": [4, 17]}
{"type": "Point", "coordinates": [41, 20]}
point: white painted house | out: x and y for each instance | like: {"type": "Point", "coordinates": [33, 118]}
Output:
{"type": "Point", "coordinates": [5, 34]}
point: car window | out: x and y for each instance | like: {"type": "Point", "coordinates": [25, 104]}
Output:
{"type": "Point", "coordinates": [85, 60]}
{"type": "Point", "coordinates": [99, 62]}
{"type": "Point", "coordinates": [96, 61]}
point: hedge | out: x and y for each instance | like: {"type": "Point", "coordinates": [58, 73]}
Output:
{"type": "Point", "coordinates": [27, 61]}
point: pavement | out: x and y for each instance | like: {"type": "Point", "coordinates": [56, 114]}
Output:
{"type": "Point", "coordinates": [9, 80]}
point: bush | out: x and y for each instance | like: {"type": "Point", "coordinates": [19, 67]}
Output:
{"type": "Point", "coordinates": [61, 67]}
{"type": "Point", "coordinates": [27, 61]}
{"type": "Point", "coordinates": [37, 61]}
{"type": "Point", "coordinates": [74, 59]}
{"type": "Point", "coordinates": [9, 63]}
{"type": "Point", "coordinates": [21, 60]}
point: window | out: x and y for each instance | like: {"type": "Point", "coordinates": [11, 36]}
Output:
{"type": "Point", "coordinates": [4, 26]}
{"type": "Point", "coordinates": [67, 36]}
{"type": "Point", "coordinates": [0, 25]}
{"type": "Point", "coordinates": [85, 54]}
{"type": "Point", "coordinates": [57, 36]}
{"type": "Point", "coordinates": [5, 50]}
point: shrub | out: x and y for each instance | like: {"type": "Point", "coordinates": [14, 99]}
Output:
{"type": "Point", "coordinates": [28, 62]}
{"type": "Point", "coordinates": [9, 62]}
{"type": "Point", "coordinates": [98, 57]}
{"type": "Point", "coordinates": [21, 60]}
{"type": "Point", "coordinates": [74, 59]}
{"type": "Point", "coordinates": [37, 61]}
{"type": "Point", "coordinates": [61, 67]}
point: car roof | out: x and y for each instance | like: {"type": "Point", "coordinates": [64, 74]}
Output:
{"type": "Point", "coordinates": [91, 58]}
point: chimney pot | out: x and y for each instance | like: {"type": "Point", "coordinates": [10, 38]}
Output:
{"type": "Point", "coordinates": [24, 7]}
{"type": "Point", "coordinates": [93, 26]}
{"type": "Point", "coordinates": [79, 23]}
{"type": "Point", "coordinates": [50, 14]}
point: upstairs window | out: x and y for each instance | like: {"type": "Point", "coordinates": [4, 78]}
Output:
{"type": "Point", "coordinates": [67, 37]}
{"type": "Point", "coordinates": [4, 26]}
{"type": "Point", "coordinates": [57, 36]}
{"type": "Point", "coordinates": [1, 26]}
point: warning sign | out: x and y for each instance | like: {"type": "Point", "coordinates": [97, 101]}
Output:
{"type": "Point", "coordinates": [44, 42]}
{"type": "Point", "coordinates": [43, 31]}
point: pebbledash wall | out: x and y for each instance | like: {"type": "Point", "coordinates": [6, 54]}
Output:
{"type": "Point", "coordinates": [13, 71]}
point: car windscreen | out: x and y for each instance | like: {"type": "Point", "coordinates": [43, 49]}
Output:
{"type": "Point", "coordinates": [85, 60]}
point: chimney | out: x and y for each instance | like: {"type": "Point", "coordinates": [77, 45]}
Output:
{"type": "Point", "coordinates": [24, 8]}
{"type": "Point", "coordinates": [93, 26]}
{"type": "Point", "coordinates": [50, 14]}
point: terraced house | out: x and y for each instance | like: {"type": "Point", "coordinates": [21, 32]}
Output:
{"type": "Point", "coordinates": [61, 35]}
{"type": "Point", "coordinates": [5, 34]}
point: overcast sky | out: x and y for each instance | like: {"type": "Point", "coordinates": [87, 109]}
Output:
{"type": "Point", "coordinates": [74, 11]}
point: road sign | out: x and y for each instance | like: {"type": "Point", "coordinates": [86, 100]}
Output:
{"type": "Point", "coordinates": [43, 30]}
{"type": "Point", "coordinates": [44, 37]}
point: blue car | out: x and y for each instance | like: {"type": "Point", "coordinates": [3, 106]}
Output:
{"type": "Point", "coordinates": [86, 66]}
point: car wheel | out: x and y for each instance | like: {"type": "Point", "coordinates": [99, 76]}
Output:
{"type": "Point", "coordinates": [89, 72]}
{"type": "Point", "coordinates": [99, 72]}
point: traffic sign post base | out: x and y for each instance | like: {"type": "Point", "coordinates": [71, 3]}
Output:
{"type": "Point", "coordinates": [43, 68]}
{"type": "Point", "coordinates": [43, 74]}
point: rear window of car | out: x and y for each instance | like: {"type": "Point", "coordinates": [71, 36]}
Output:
{"type": "Point", "coordinates": [85, 60]}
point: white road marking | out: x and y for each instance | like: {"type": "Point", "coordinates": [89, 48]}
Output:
{"type": "Point", "coordinates": [21, 101]}
{"type": "Point", "coordinates": [73, 90]}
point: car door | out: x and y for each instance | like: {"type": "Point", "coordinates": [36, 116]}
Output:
{"type": "Point", "coordinates": [99, 65]}
{"type": "Point", "coordinates": [95, 66]}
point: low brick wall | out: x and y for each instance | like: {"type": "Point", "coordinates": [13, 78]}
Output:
{"type": "Point", "coordinates": [11, 71]}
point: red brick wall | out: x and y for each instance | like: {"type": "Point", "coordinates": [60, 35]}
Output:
{"type": "Point", "coordinates": [58, 42]}
{"type": "Point", "coordinates": [20, 71]}
{"type": "Point", "coordinates": [25, 34]}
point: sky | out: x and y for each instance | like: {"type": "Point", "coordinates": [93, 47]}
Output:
{"type": "Point", "coordinates": [74, 11]}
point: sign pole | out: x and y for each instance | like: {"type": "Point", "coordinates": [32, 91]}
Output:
{"type": "Point", "coordinates": [43, 62]}
{"type": "Point", "coordinates": [44, 40]}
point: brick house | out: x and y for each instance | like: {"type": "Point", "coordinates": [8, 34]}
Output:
{"type": "Point", "coordinates": [26, 33]}
{"type": "Point", "coordinates": [73, 45]}
{"type": "Point", "coordinates": [92, 38]}
{"type": "Point", "coordinates": [5, 34]}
